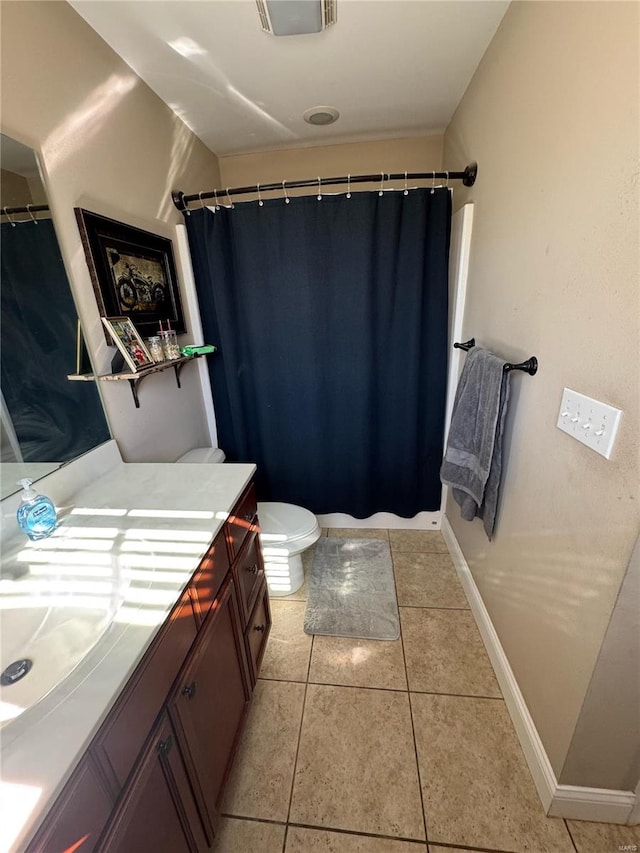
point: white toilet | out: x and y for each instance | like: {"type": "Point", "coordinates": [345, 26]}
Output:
{"type": "Point", "coordinates": [285, 532]}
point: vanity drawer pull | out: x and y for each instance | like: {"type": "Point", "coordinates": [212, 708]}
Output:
{"type": "Point", "coordinates": [259, 628]}
{"type": "Point", "coordinates": [248, 516]}
{"type": "Point", "coordinates": [189, 690]}
{"type": "Point", "coordinates": [253, 569]}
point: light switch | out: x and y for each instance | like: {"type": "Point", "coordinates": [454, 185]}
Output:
{"type": "Point", "coordinates": [589, 421]}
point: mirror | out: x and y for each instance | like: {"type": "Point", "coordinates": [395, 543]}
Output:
{"type": "Point", "coordinates": [45, 420]}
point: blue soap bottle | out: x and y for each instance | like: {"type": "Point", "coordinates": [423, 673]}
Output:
{"type": "Point", "coordinates": [37, 515]}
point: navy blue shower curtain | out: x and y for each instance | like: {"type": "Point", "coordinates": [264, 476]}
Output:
{"type": "Point", "coordinates": [331, 322]}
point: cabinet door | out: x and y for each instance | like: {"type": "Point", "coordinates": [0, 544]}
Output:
{"type": "Point", "coordinates": [157, 812]}
{"type": "Point", "coordinates": [210, 700]}
{"type": "Point", "coordinates": [78, 816]}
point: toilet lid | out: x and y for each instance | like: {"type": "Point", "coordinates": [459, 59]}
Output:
{"type": "Point", "coordinates": [292, 522]}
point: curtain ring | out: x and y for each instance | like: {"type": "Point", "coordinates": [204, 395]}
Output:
{"type": "Point", "coordinates": [319, 189]}
{"type": "Point", "coordinates": [6, 213]}
{"type": "Point", "coordinates": [348, 186]}
{"type": "Point", "coordinates": [215, 198]}
{"type": "Point", "coordinates": [433, 182]}
{"type": "Point", "coordinates": [287, 200]}
{"type": "Point", "coordinates": [231, 205]}
{"type": "Point", "coordinates": [446, 186]}
{"type": "Point", "coordinates": [406, 191]}
{"type": "Point", "coordinates": [260, 202]}
{"type": "Point", "coordinates": [381, 190]}
{"type": "Point", "coordinates": [200, 197]}
{"type": "Point", "coordinates": [30, 212]}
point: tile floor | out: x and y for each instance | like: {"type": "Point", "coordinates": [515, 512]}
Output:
{"type": "Point", "coordinates": [362, 746]}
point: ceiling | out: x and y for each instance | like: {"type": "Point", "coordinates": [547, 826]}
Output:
{"type": "Point", "coordinates": [390, 67]}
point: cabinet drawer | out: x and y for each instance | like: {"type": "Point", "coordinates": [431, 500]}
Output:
{"type": "Point", "coordinates": [241, 521]}
{"type": "Point", "coordinates": [209, 577]}
{"type": "Point", "coordinates": [119, 742]}
{"type": "Point", "coordinates": [258, 629]}
{"type": "Point", "coordinates": [78, 816]}
{"type": "Point", "coordinates": [249, 573]}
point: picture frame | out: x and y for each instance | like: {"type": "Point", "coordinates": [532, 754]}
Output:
{"type": "Point", "coordinates": [126, 338]}
{"type": "Point", "coordinates": [133, 273]}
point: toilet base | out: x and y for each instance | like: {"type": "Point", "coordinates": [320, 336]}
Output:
{"type": "Point", "coordinates": [284, 572]}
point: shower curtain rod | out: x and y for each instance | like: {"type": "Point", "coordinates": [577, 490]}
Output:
{"type": "Point", "coordinates": [181, 201]}
{"type": "Point", "coordinates": [30, 208]}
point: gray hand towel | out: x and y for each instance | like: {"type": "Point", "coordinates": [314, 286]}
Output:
{"type": "Point", "coordinates": [472, 463]}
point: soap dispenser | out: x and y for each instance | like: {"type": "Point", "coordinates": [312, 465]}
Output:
{"type": "Point", "coordinates": [36, 514]}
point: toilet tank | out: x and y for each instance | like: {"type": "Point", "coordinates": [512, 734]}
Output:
{"type": "Point", "coordinates": [203, 454]}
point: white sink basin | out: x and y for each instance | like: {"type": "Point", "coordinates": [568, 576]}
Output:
{"type": "Point", "coordinates": [58, 596]}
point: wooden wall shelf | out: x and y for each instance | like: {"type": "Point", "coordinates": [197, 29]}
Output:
{"type": "Point", "coordinates": [134, 378]}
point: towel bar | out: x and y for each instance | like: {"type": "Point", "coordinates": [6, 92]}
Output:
{"type": "Point", "coordinates": [529, 366]}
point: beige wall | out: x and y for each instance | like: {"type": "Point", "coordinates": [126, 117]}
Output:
{"type": "Point", "coordinates": [14, 190]}
{"type": "Point", "coordinates": [606, 743]}
{"type": "Point", "coordinates": [551, 115]}
{"type": "Point", "coordinates": [409, 154]}
{"type": "Point", "coordinates": [110, 145]}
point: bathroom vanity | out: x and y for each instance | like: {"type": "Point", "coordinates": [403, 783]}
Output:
{"type": "Point", "coordinates": [131, 751]}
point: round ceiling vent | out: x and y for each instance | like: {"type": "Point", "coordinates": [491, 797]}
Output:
{"type": "Point", "coordinates": [321, 115]}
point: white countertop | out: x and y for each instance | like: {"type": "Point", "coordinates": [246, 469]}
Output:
{"type": "Point", "coordinates": [153, 523]}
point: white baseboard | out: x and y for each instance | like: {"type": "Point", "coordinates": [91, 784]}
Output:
{"type": "Point", "coordinates": [578, 803]}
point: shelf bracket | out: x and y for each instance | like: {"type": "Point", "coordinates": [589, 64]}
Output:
{"type": "Point", "coordinates": [177, 369]}
{"type": "Point", "coordinates": [133, 384]}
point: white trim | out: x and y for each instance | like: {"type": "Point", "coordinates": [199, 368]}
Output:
{"type": "Point", "coordinates": [601, 805]}
{"type": "Point", "coordinates": [634, 817]}
{"type": "Point", "coordinates": [191, 299]}
{"type": "Point", "coordinates": [385, 520]}
{"type": "Point", "coordinates": [568, 801]}
{"type": "Point", "coordinates": [459, 253]}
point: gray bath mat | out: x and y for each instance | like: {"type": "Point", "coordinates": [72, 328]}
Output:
{"type": "Point", "coordinates": [352, 591]}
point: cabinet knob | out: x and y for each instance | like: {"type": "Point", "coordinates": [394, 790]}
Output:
{"type": "Point", "coordinates": [248, 516]}
{"type": "Point", "coordinates": [165, 745]}
{"type": "Point", "coordinates": [189, 690]}
{"type": "Point", "coordinates": [259, 627]}
{"type": "Point", "coordinates": [253, 569]}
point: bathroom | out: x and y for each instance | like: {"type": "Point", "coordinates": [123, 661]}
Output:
{"type": "Point", "coordinates": [551, 116]}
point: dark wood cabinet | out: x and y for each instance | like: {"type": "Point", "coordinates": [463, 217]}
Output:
{"type": "Point", "coordinates": [78, 816]}
{"type": "Point", "coordinates": [157, 814]}
{"type": "Point", "coordinates": [248, 571]}
{"type": "Point", "coordinates": [153, 777]}
{"type": "Point", "coordinates": [257, 632]}
{"type": "Point", "coordinates": [242, 520]}
{"type": "Point", "coordinates": [122, 735]}
{"type": "Point", "coordinates": [210, 700]}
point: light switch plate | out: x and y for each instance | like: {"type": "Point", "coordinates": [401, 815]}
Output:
{"type": "Point", "coordinates": [589, 421]}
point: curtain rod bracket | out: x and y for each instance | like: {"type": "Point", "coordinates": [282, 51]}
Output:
{"type": "Point", "coordinates": [470, 174]}
{"type": "Point", "coordinates": [177, 197]}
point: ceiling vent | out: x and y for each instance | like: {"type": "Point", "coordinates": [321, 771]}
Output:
{"type": "Point", "coordinates": [296, 17]}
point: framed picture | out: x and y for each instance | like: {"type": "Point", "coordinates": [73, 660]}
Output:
{"type": "Point", "coordinates": [128, 341]}
{"type": "Point", "coordinates": [133, 273]}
